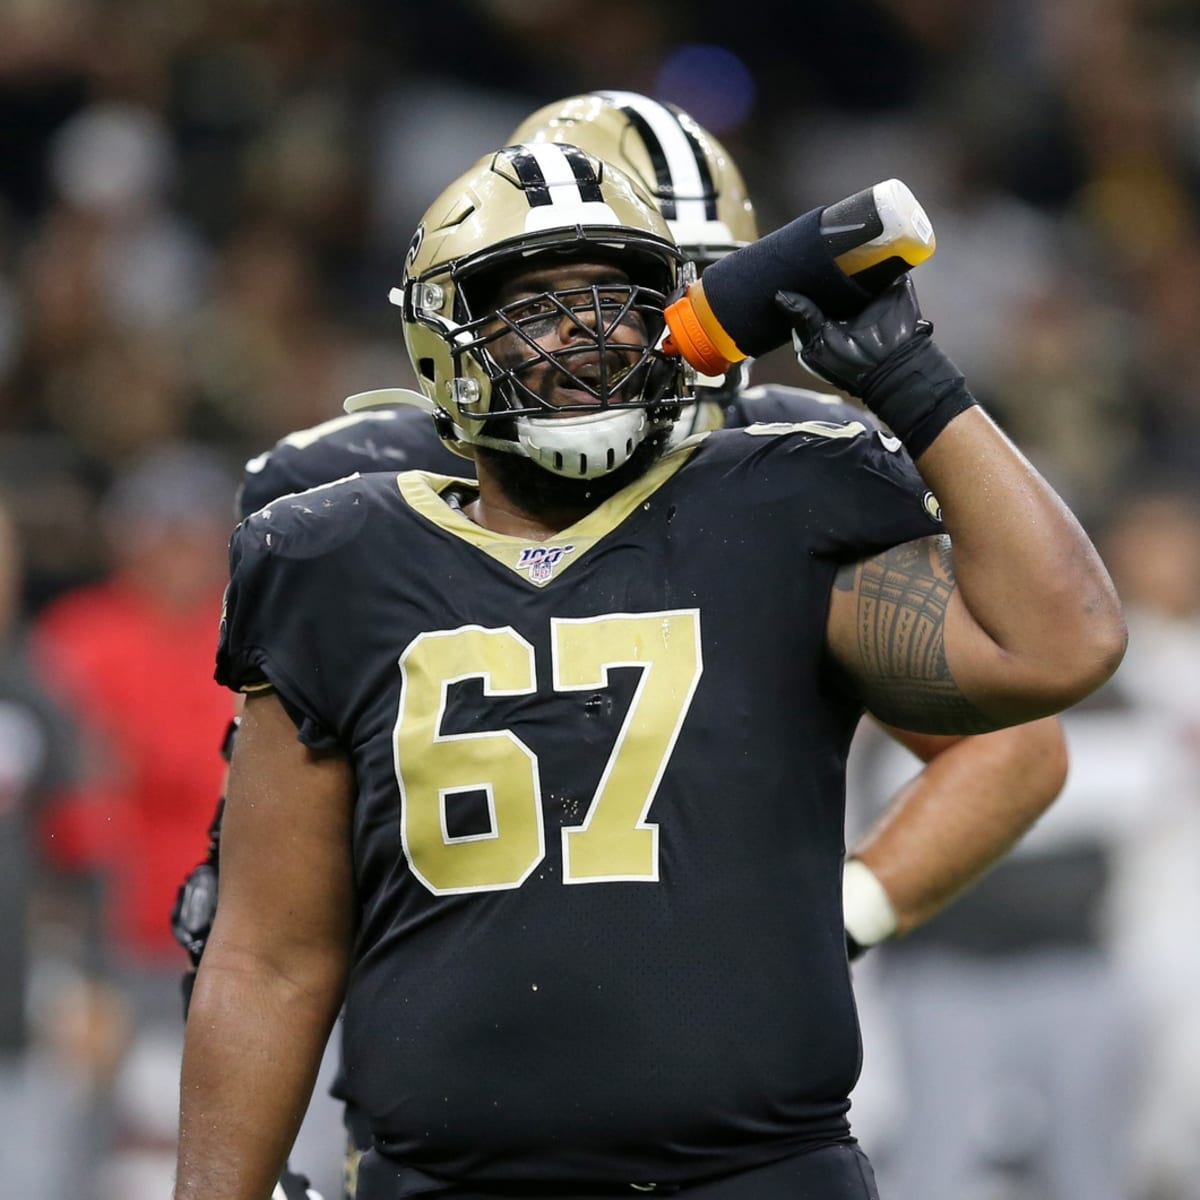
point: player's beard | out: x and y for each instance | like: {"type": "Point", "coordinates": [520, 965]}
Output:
{"type": "Point", "coordinates": [537, 490]}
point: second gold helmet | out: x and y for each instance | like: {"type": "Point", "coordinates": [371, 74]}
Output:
{"type": "Point", "coordinates": [688, 174]}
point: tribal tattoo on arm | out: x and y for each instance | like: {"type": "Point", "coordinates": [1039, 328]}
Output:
{"type": "Point", "coordinates": [898, 660]}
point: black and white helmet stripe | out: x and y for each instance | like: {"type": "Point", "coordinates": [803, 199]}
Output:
{"type": "Point", "coordinates": [554, 174]}
{"type": "Point", "coordinates": [685, 188]}
{"type": "Point", "coordinates": [585, 174]}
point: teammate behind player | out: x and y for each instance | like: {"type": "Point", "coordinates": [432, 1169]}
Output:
{"type": "Point", "coordinates": [565, 645]}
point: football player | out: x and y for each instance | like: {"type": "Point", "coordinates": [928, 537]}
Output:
{"type": "Point", "coordinates": [698, 188]}
{"type": "Point", "coordinates": [559, 822]}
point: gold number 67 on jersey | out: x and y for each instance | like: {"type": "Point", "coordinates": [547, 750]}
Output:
{"type": "Point", "coordinates": [614, 842]}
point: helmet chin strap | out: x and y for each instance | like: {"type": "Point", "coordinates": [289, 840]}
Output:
{"type": "Point", "coordinates": [697, 416]}
{"type": "Point", "coordinates": [706, 411]}
{"type": "Point", "coordinates": [585, 446]}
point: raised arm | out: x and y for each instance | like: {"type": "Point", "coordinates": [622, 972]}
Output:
{"type": "Point", "coordinates": [1019, 620]}
{"type": "Point", "coordinates": [974, 799]}
{"type": "Point", "coordinates": [273, 972]}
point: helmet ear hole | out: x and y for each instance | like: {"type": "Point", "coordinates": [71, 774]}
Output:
{"type": "Point", "coordinates": [425, 368]}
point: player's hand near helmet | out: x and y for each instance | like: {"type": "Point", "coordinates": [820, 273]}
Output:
{"type": "Point", "coordinates": [845, 353]}
{"type": "Point", "coordinates": [885, 356]}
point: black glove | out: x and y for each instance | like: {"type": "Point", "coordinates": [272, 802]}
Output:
{"type": "Point", "coordinates": [195, 908]}
{"type": "Point", "coordinates": [845, 353]}
{"type": "Point", "coordinates": [196, 901]}
{"type": "Point", "coordinates": [884, 356]}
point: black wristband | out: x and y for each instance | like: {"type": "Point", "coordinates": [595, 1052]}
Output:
{"type": "Point", "coordinates": [917, 392]}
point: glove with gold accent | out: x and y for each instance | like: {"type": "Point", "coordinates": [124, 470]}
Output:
{"type": "Point", "coordinates": [885, 356]}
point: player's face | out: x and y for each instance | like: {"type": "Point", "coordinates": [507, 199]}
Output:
{"type": "Point", "coordinates": [577, 338]}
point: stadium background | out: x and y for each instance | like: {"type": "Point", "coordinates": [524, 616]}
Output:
{"type": "Point", "coordinates": [203, 204]}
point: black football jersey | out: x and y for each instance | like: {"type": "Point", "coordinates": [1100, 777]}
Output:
{"type": "Point", "coordinates": [385, 439]}
{"type": "Point", "coordinates": [598, 826]}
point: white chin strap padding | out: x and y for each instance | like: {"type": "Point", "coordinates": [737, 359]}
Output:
{"type": "Point", "coordinates": [684, 425]}
{"type": "Point", "coordinates": [584, 446]}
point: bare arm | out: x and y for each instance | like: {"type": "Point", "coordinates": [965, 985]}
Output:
{"type": "Point", "coordinates": [1021, 619]}
{"type": "Point", "coordinates": [972, 802]}
{"type": "Point", "coordinates": [273, 972]}
{"type": "Point", "coordinates": [1018, 621]}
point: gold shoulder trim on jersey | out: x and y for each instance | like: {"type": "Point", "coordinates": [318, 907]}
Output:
{"type": "Point", "coordinates": [538, 562]}
{"type": "Point", "coordinates": [251, 689]}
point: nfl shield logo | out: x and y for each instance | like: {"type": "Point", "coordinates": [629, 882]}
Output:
{"type": "Point", "coordinates": [540, 561]}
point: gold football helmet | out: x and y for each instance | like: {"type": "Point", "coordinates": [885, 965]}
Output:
{"type": "Point", "coordinates": [514, 204]}
{"type": "Point", "coordinates": [690, 176]}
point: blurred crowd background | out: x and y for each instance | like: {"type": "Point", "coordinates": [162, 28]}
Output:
{"type": "Point", "coordinates": [203, 204]}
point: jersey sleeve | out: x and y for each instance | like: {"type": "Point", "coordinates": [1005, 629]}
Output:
{"type": "Point", "coordinates": [285, 576]}
{"type": "Point", "coordinates": [266, 477]}
{"type": "Point", "coordinates": [876, 496]}
{"type": "Point", "coordinates": [295, 464]}
{"type": "Point", "coordinates": [854, 489]}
